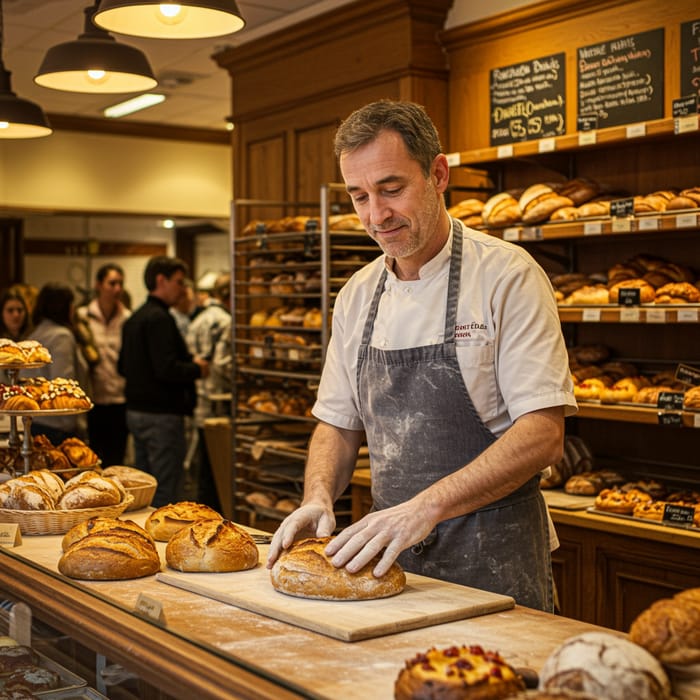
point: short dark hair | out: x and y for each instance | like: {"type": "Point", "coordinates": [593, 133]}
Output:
{"type": "Point", "coordinates": [162, 265]}
{"type": "Point", "coordinates": [54, 303]}
{"type": "Point", "coordinates": [408, 119]}
{"type": "Point", "coordinates": [105, 269]}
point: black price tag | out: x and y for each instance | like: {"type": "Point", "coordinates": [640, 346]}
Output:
{"type": "Point", "coordinates": [685, 106]}
{"type": "Point", "coordinates": [678, 514]}
{"type": "Point", "coordinates": [629, 297]}
{"type": "Point", "coordinates": [671, 400]}
{"type": "Point", "coordinates": [587, 122]}
{"type": "Point", "coordinates": [622, 207]}
{"type": "Point", "coordinates": [672, 420]}
{"type": "Point", "coordinates": [688, 375]}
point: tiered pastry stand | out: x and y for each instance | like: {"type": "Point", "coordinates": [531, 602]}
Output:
{"type": "Point", "coordinates": [25, 442]}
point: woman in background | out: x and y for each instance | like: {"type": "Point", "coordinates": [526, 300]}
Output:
{"type": "Point", "coordinates": [14, 315]}
{"type": "Point", "coordinates": [53, 328]}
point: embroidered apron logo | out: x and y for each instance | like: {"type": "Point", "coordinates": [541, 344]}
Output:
{"type": "Point", "coordinates": [466, 330]}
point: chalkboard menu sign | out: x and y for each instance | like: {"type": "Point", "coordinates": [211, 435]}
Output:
{"type": "Point", "coordinates": [690, 58]}
{"type": "Point", "coordinates": [622, 81]}
{"type": "Point", "coordinates": [528, 100]}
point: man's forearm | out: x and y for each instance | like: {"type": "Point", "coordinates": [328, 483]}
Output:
{"type": "Point", "coordinates": [330, 464]}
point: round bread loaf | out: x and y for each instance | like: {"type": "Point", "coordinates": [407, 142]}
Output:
{"type": "Point", "coordinates": [457, 673]}
{"type": "Point", "coordinates": [104, 556]}
{"type": "Point", "coordinates": [24, 494]}
{"type": "Point", "coordinates": [165, 521]}
{"type": "Point", "coordinates": [90, 490]}
{"type": "Point", "coordinates": [126, 528]}
{"type": "Point", "coordinates": [670, 629]}
{"type": "Point", "coordinates": [130, 477]}
{"type": "Point", "coordinates": [606, 666]}
{"type": "Point", "coordinates": [213, 546]}
{"type": "Point", "coordinates": [305, 571]}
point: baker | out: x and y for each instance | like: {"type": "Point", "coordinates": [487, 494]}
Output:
{"type": "Point", "coordinates": [447, 353]}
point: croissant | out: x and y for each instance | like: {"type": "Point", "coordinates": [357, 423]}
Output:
{"type": "Point", "coordinates": [79, 454]}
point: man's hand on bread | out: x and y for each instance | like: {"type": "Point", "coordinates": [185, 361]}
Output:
{"type": "Point", "coordinates": [306, 521]}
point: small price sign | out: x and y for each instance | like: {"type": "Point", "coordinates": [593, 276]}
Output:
{"type": "Point", "coordinates": [678, 515]}
{"type": "Point", "coordinates": [622, 207]}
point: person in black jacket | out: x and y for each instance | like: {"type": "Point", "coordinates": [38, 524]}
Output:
{"type": "Point", "coordinates": [160, 379]}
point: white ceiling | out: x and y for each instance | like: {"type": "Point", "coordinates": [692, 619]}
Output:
{"type": "Point", "coordinates": [201, 96]}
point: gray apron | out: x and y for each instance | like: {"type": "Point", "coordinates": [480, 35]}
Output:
{"type": "Point", "coordinates": [421, 425]}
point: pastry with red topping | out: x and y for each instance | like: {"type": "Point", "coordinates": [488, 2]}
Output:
{"type": "Point", "coordinates": [457, 673]}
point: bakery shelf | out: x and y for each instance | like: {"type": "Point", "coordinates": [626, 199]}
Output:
{"type": "Point", "coordinates": [610, 136]}
{"type": "Point", "coordinates": [646, 313]}
{"type": "Point", "coordinates": [633, 414]}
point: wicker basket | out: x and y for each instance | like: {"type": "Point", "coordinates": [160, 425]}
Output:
{"type": "Point", "coordinates": [58, 522]}
{"type": "Point", "coordinates": [142, 495]}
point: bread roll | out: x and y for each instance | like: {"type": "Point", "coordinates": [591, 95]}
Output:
{"type": "Point", "coordinates": [165, 521]}
{"type": "Point", "coordinates": [606, 666]}
{"type": "Point", "coordinates": [589, 294]}
{"type": "Point", "coordinates": [500, 210]}
{"type": "Point", "coordinates": [466, 208]}
{"type": "Point", "coordinates": [213, 546]}
{"type": "Point", "coordinates": [104, 556]}
{"type": "Point", "coordinates": [90, 490]}
{"type": "Point", "coordinates": [677, 292]}
{"type": "Point", "coordinates": [305, 571]}
{"type": "Point", "coordinates": [670, 630]}
{"type": "Point", "coordinates": [596, 208]}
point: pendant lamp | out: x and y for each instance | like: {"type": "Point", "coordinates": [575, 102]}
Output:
{"type": "Point", "coordinates": [19, 119]}
{"type": "Point", "coordinates": [190, 19]}
{"type": "Point", "coordinates": [95, 62]}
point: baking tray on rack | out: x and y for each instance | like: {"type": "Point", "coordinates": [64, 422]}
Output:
{"type": "Point", "coordinates": [648, 521]}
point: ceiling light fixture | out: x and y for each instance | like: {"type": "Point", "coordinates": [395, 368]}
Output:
{"type": "Point", "coordinates": [133, 105]}
{"type": "Point", "coordinates": [96, 63]}
{"type": "Point", "coordinates": [191, 19]}
{"type": "Point", "coordinates": [19, 119]}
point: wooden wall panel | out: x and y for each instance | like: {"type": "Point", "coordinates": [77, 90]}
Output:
{"type": "Point", "coordinates": [314, 161]}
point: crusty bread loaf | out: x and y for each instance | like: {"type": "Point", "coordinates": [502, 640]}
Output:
{"type": "Point", "coordinates": [17, 494]}
{"type": "Point", "coordinates": [500, 210]}
{"type": "Point", "coordinates": [466, 208]}
{"type": "Point", "coordinates": [213, 546]}
{"type": "Point", "coordinates": [305, 571]}
{"type": "Point", "coordinates": [647, 293]}
{"type": "Point", "coordinates": [103, 556]}
{"type": "Point", "coordinates": [606, 666]}
{"type": "Point", "coordinates": [113, 525]}
{"type": "Point", "coordinates": [538, 202]}
{"type": "Point", "coordinates": [165, 521]}
{"type": "Point", "coordinates": [678, 292]}
{"type": "Point", "coordinates": [670, 628]}
{"type": "Point", "coordinates": [90, 490]}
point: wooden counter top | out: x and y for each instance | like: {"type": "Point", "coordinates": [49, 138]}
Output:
{"type": "Point", "coordinates": [303, 663]}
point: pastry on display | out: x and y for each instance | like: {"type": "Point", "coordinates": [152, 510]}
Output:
{"type": "Point", "coordinates": [590, 389]}
{"type": "Point", "coordinates": [653, 202]}
{"type": "Point", "coordinates": [30, 679]}
{"type": "Point", "coordinates": [691, 399]}
{"type": "Point", "coordinates": [624, 389]}
{"type": "Point", "coordinates": [62, 393]}
{"type": "Point", "coordinates": [14, 397]}
{"type": "Point", "coordinates": [78, 453]}
{"type": "Point", "coordinates": [647, 293]}
{"type": "Point", "coordinates": [615, 500]}
{"type": "Point", "coordinates": [589, 294]}
{"type": "Point", "coordinates": [12, 656]}
{"type": "Point", "coordinates": [22, 352]}
{"type": "Point", "coordinates": [213, 546]}
{"type": "Point", "coordinates": [305, 571]}
{"type": "Point", "coordinates": [457, 673]}
{"type": "Point", "coordinates": [605, 666]}
{"type": "Point", "coordinates": [686, 199]}
{"type": "Point", "coordinates": [109, 554]}
{"type": "Point", "coordinates": [591, 483]}
{"type": "Point", "coordinates": [165, 521]}
{"type": "Point", "coordinates": [677, 293]}
{"type": "Point", "coordinates": [34, 351]}
{"type": "Point", "coordinates": [577, 458]}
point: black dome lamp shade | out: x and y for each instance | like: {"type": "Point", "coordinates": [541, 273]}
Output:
{"type": "Point", "coordinates": [95, 63]}
{"type": "Point", "coordinates": [189, 19]}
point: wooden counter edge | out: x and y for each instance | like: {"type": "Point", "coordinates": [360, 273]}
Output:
{"type": "Point", "coordinates": [163, 659]}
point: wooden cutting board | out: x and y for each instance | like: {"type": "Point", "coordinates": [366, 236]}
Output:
{"type": "Point", "coordinates": [423, 603]}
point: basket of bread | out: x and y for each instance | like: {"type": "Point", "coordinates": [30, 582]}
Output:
{"type": "Point", "coordinates": [43, 504]}
{"type": "Point", "coordinates": [137, 483]}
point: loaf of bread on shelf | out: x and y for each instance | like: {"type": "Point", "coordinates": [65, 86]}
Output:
{"type": "Point", "coordinates": [677, 293]}
{"type": "Point", "coordinates": [305, 571]}
{"type": "Point", "coordinates": [596, 208]}
{"type": "Point", "coordinates": [624, 389]}
{"type": "Point", "coordinates": [647, 293]}
{"type": "Point", "coordinates": [501, 210]}
{"type": "Point", "coordinates": [618, 500]}
{"type": "Point", "coordinates": [589, 294]}
{"type": "Point", "coordinates": [579, 190]}
{"type": "Point", "coordinates": [691, 398]}
{"type": "Point", "coordinates": [90, 490]}
{"type": "Point", "coordinates": [653, 202]}
{"type": "Point", "coordinates": [538, 202]}
{"type": "Point", "coordinates": [128, 528]}
{"type": "Point", "coordinates": [466, 208]}
{"type": "Point", "coordinates": [564, 214]}
{"type": "Point", "coordinates": [212, 546]}
{"type": "Point", "coordinates": [165, 521]}
{"type": "Point", "coordinates": [685, 199]}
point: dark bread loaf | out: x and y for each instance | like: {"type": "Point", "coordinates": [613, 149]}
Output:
{"type": "Point", "coordinates": [165, 521]}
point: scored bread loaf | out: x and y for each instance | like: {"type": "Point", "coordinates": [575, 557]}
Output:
{"type": "Point", "coordinates": [104, 556]}
{"type": "Point", "coordinates": [90, 490]}
{"type": "Point", "coordinates": [212, 546]}
{"type": "Point", "coordinates": [129, 477]}
{"type": "Point", "coordinates": [165, 521]}
{"type": "Point", "coordinates": [538, 202]}
{"type": "Point", "coordinates": [305, 571]}
{"type": "Point", "coordinates": [127, 528]}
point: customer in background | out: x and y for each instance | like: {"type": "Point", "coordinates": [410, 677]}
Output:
{"type": "Point", "coordinates": [183, 309]}
{"type": "Point", "coordinates": [105, 315]}
{"type": "Point", "coordinates": [160, 379]}
{"type": "Point", "coordinates": [202, 337]}
{"type": "Point", "coordinates": [14, 315]}
{"type": "Point", "coordinates": [447, 353]}
{"type": "Point", "coordinates": [54, 329]}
